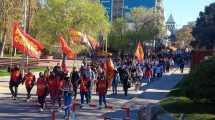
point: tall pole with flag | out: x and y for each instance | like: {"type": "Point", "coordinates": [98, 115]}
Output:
{"type": "Point", "coordinates": [25, 27]}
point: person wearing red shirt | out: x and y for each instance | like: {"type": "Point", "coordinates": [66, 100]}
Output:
{"type": "Point", "coordinates": [52, 86]}
{"type": "Point", "coordinates": [29, 80]}
{"type": "Point", "coordinates": [101, 88]}
{"type": "Point", "coordinates": [15, 79]}
{"type": "Point", "coordinates": [148, 74]}
{"type": "Point", "coordinates": [84, 90]}
{"type": "Point", "coordinates": [60, 85]}
{"type": "Point", "coordinates": [42, 90]}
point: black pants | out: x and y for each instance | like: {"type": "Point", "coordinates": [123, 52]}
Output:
{"type": "Point", "coordinates": [29, 92]}
{"type": "Point", "coordinates": [75, 92]}
{"type": "Point", "coordinates": [13, 88]}
{"type": "Point", "coordinates": [125, 88]}
{"type": "Point", "coordinates": [41, 100]}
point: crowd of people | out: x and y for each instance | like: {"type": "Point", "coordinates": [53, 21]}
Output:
{"type": "Point", "coordinates": [89, 78]}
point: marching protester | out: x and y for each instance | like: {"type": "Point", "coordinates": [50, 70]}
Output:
{"type": "Point", "coordinates": [115, 81]}
{"type": "Point", "coordinates": [42, 90]}
{"type": "Point", "coordinates": [148, 74]}
{"type": "Point", "coordinates": [52, 85]}
{"type": "Point", "coordinates": [89, 77]}
{"type": "Point", "coordinates": [139, 77]}
{"type": "Point", "coordinates": [84, 90]}
{"type": "Point", "coordinates": [75, 79]}
{"type": "Point", "coordinates": [67, 93]}
{"type": "Point", "coordinates": [102, 87]}
{"type": "Point", "coordinates": [124, 78]}
{"type": "Point", "coordinates": [60, 85]}
{"type": "Point", "coordinates": [15, 80]}
{"type": "Point", "coordinates": [29, 80]}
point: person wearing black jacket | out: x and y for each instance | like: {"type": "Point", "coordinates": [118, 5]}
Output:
{"type": "Point", "coordinates": [75, 79]}
{"type": "Point", "coordinates": [15, 80]}
{"type": "Point", "coordinates": [124, 79]}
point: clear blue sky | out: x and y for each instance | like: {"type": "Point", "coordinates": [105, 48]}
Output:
{"type": "Point", "coordinates": [184, 11]}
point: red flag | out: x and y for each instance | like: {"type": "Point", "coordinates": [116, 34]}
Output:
{"type": "Point", "coordinates": [109, 71]}
{"type": "Point", "coordinates": [139, 54]}
{"type": "Point", "coordinates": [25, 43]}
{"type": "Point", "coordinates": [65, 48]}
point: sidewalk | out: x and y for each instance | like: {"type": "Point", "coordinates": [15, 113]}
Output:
{"type": "Point", "coordinates": [154, 93]}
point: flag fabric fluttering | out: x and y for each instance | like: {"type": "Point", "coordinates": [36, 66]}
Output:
{"type": "Point", "coordinates": [109, 71]}
{"type": "Point", "coordinates": [76, 36]}
{"type": "Point", "coordinates": [93, 42]}
{"type": "Point", "coordinates": [139, 53]}
{"type": "Point", "coordinates": [25, 43]}
{"type": "Point", "coordinates": [85, 40]}
{"type": "Point", "coordinates": [65, 48]}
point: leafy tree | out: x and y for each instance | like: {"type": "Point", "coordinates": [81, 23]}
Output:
{"type": "Point", "coordinates": [204, 31]}
{"type": "Point", "coordinates": [117, 35]}
{"type": "Point", "coordinates": [141, 16]}
{"type": "Point", "coordinates": [141, 24]}
{"type": "Point", "coordinates": [60, 15]}
{"type": "Point", "coordinates": [11, 10]}
{"type": "Point", "coordinates": [184, 36]}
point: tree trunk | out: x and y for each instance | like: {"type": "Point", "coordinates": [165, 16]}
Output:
{"type": "Point", "coordinates": [3, 43]}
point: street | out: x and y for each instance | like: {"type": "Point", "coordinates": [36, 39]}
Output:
{"type": "Point", "coordinates": [153, 93]}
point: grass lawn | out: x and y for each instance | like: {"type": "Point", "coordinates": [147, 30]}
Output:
{"type": "Point", "coordinates": [3, 72]}
{"type": "Point", "coordinates": [192, 111]}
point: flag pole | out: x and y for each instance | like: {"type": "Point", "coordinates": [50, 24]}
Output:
{"type": "Point", "coordinates": [25, 25]}
{"type": "Point", "coordinates": [11, 51]}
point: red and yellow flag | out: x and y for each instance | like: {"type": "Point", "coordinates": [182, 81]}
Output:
{"type": "Point", "coordinates": [65, 48]}
{"type": "Point", "coordinates": [109, 71]}
{"type": "Point", "coordinates": [25, 43]}
{"type": "Point", "coordinates": [93, 42]}
{"type": "Point", "coordinates": [139, 53]}
{"type": "Point", "coordinates": [76, 36]}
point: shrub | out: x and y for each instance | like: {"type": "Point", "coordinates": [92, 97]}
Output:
{"type": "Point", "coordinates": [200, 83]}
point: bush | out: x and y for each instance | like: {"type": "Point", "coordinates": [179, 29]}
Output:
{"type": "Point", "coordinates": [199, 85]}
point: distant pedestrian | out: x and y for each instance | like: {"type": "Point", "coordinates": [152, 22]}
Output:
{"type": "Point", "coordinates": [181, 66]}
{"type": "Point", "coordinates": [148, 74]}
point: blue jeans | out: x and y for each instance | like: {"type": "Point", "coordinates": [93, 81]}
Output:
{"type": "Point", "coordinates": [67, 103]}
{"type": "Point", "coordinates": [89, 95]}
{"type": "Point", "coordinates": [84, 94]}
{"type": "Point", "coordinates": [102, 98]}
{"type": "Point", "coordinates": [114, 87]}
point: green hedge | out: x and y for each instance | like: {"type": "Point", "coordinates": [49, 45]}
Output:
{"type": "Point", "coordinates": [199, 85]}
